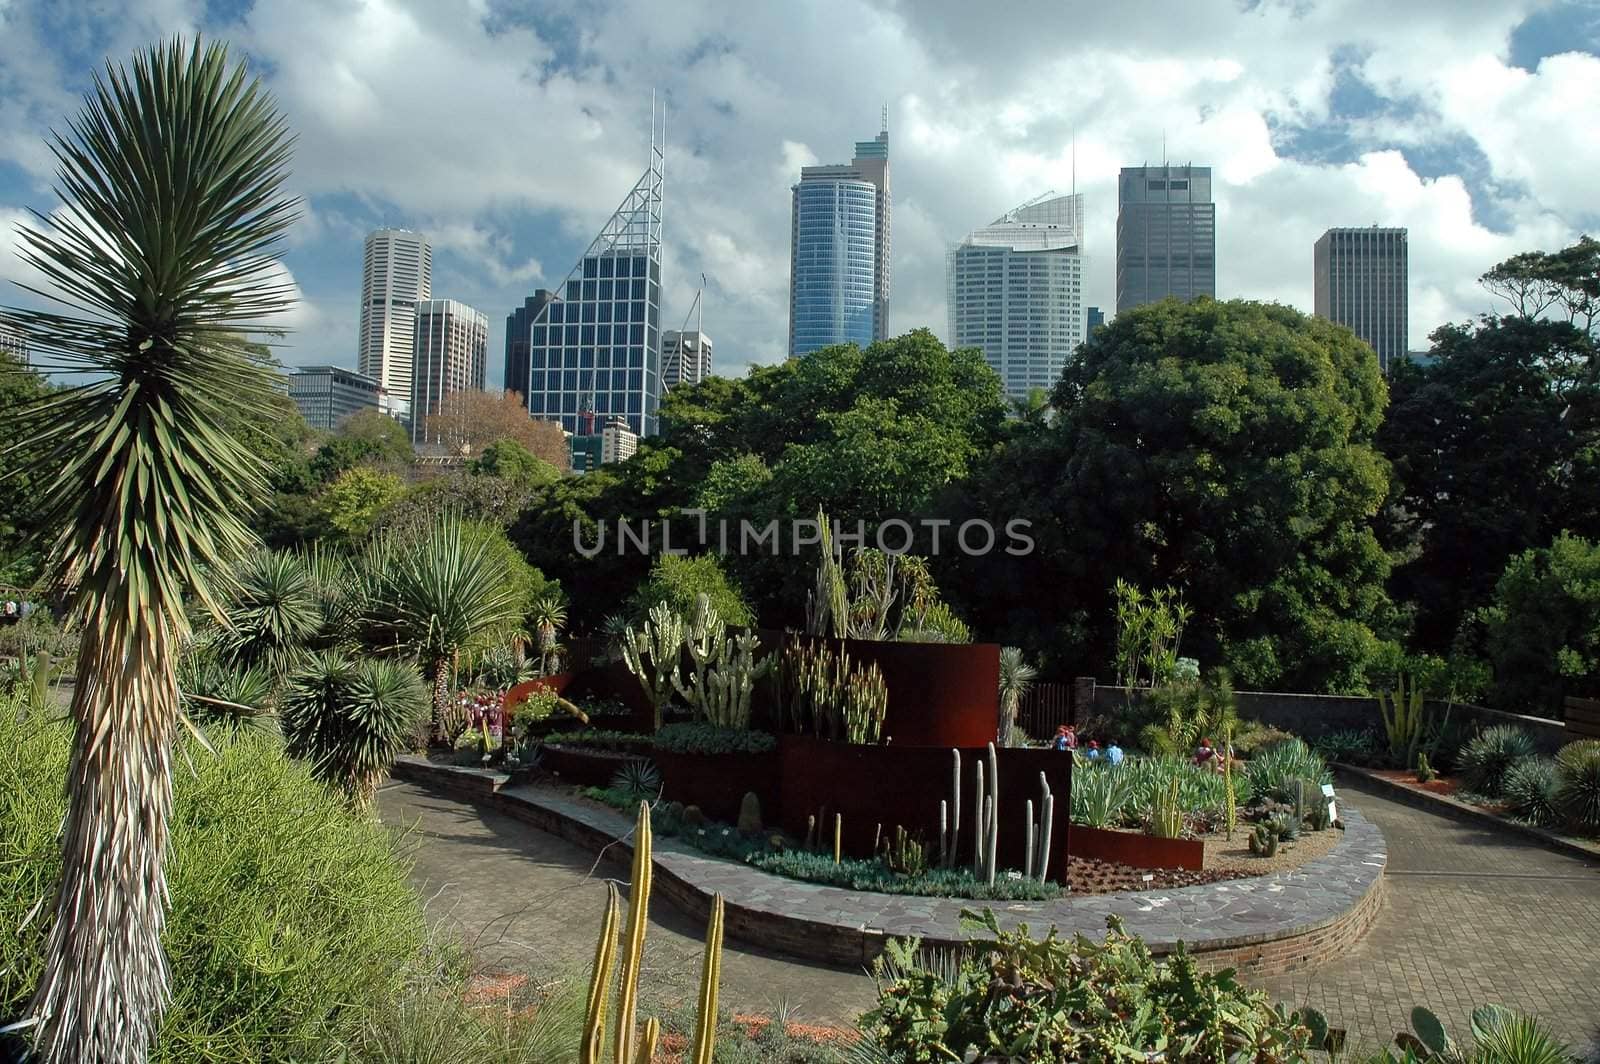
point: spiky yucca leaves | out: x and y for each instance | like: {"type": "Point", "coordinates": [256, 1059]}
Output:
{"type": "Point", "coordinates": [1016, 677]}
{"type": "Point", "coordinates": [1577, 794]}
{"type": "Point", "coordinates": [351, 718]}
{"type": "Point", "coordinates": [163, 247]}
{"type": "Point", "coordinates": [217, 695]}
{"type": "Point", "coordinates": [434, 594]}
{"type": "Point", "coordinates": [272, 613]}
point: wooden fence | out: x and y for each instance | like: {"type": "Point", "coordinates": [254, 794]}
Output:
{"type": "Point", "coordinates": [1045, 707]}
{"type": "Point", "coordinates": [1583, 717]}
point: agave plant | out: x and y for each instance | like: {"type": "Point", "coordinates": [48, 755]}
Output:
{"type": "Point", "coordinates": [1016, 677]}
{"type": "Point", "coordinates": [161, 254]}
{"type": "Point", "coordinates": [351, 718]}
{"type": "Point", "coordinates": [434, 595]}
{"type": "Point", "coordinates": [1485, 761]}
{"type": "Point", "coordinates": [1530, 790]}
{"type": "Point", "coordinates": [638, 781]}
{"type": "Point", "coordinates": [1577, 794]}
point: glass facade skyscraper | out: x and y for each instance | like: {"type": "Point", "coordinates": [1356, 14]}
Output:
{"type": "Point", "coordinates": [1015, 290]}
{"type": "Point", "coordinates": [839, 255]}
{"type": "Point", "coordinates": [833, 271]}
{"type": "Point", "coordinates": [1360, 277]}
{"type": "Point", "coordinates": [1166, 234]}
{"type": "Point", "coordinates": [594, 350]}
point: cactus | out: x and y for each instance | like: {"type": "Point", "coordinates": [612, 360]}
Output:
{"type": "Point", "coordinates": [986, 831]}
{"type": "Point", "coordinates": [1047, 814]}
{"type": "Point", "coordinates": [702, 638]}
{"type": "Point", "coordinates": [948, 852]}
{"type": "Point", "coordinates": [652, 656]}
{"type": "Point", "coordinates": [1028, 844]}
{"type": "Point", "coordinates": [906, 854]}
{"type": "Point", "coordinates": [829, 698]}
{"type": "Point", "coordinates": [750, 815]}
{"type": "Point", "coordinates": [828, 605]}
{"type": "Point", "coordinates": [628, 1046]}
{"type": "Point", "coordinates": [865, 702]}
{"type": "Point", "coordinates": [723, 669]}
{"type": "Point", "coordinates": [1264, 841]}
{"type": "Point", "coordinates": [1424, 768]}
{"type": "Point", "coordinates": [838, 833]}
{"type": "Point", "coordinates": [1232, 809]}
{"type": "Point", "coordinates": [811, 832]}
{"type": "Point", "coordinates": [1166, 813]}
{"type": "Point", "coordinates": [694, 816]}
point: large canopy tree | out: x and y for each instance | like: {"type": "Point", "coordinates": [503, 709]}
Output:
{"type": "Point", "coordinates": [172, 213]}
{"type": "Point", "coordinates": [1224, 448]}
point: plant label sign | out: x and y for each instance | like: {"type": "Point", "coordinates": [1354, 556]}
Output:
{"type": "Point", "coordinates": [1333, 810]}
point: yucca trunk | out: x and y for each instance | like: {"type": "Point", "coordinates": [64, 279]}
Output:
{"type": "Point", "coordinates": [103, 990]}
{"type": "Point", "coordinates": [441, 696]}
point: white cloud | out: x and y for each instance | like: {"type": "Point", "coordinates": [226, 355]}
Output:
{"type": "Point", "coordinates": [457, 117]}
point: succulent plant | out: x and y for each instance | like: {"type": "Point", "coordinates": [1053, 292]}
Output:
{"type": "Point", "coordinates": [1485, 761]}
{"type": "Point", "coordinates": [1578, 793]}
{"type": "Point", "coordinates": [1530, 788]}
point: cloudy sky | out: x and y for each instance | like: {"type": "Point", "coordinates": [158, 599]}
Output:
{"type": "Point", "coordinates": [509, 131]}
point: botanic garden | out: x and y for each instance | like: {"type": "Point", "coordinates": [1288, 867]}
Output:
{"type": "Point", "coordinates": [1105, 798]}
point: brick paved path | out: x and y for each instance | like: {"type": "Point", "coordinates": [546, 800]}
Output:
{"type": "Point", "coordinates": [1471, 916]}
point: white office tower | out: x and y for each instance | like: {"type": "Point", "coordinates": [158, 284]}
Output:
{"type": "Point", "coordinates": [618, 442]}
{"type": "Point", "coordinates": [396, 275]}
{"type": "Point", "coordinates": [685, 357]}
{"type": "Point", "coordinates": [1016, 291]}
{"type": "Point", "coordinates": [450, 355]}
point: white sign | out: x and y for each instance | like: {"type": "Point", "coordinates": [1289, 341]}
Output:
{"type": "Point", "coordinates": [1333, 810]}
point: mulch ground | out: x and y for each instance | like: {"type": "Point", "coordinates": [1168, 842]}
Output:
{"type": "Point", "coordinates": [1086, 875]}
{"type": "Point", "coordinates": [1437, 785]}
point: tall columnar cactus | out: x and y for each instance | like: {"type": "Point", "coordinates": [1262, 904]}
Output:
{"type": "Point", "coordinates": [1227, 781]}
{"type": "Point", "coordinates": [986, 833]}
{"type": "Point", "coordinates": [727, 686]}
{"type": "Point", "coordinates": [1039, 835]}
{"type": "Point", "coordinates": [865, 703]}
{"type": "Point", "coordinates": [702, 638]}
{"type": "Point", "coordinates": [950, 830]}
{"type": "Point", "coordinates": [652, 656]}
{"type": "Point", "coordinates": [828, 604]}
{"type": "Point", "coordinates": [629, 1047]}
{"type": "Point", "coordinates": [1403, 720]}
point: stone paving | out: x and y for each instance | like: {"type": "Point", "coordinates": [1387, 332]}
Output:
{"type": "Point", "coordinates": [1470, 915]}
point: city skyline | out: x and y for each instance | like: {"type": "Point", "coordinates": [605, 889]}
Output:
{"type": "Point", "coordinates": [1450, 122]}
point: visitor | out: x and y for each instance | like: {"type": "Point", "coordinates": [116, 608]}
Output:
{"type": "Point", "coordinates": [1066, 738]}
{"type": "Point", "coordinates": [1204, 755]}
{"type": "Point", "coordinates": [1093, 753]}
{"type": "Point", "coordinates": [1113, 753]}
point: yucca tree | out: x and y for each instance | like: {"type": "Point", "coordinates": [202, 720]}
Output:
{"type": "Point", "coordinates": [351, 717]}
{"type": "Point", "coordinates": [273, 612]}
{"type": "Point", "coordinates": [549, 614]}
{"type": "Point", "coordinates": [434, 594]}
{"type": "Point", "coordinates": [172, 212]}
{"type": "Point", "coordinates": [1016, 678]}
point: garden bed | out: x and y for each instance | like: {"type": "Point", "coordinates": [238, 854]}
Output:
{"type": "Point", "coordinates": [717, 783]}
{"type": "Point", "coordinates": [581, 765]}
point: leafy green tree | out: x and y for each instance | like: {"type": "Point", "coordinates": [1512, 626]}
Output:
{"type": "Point", "coordinates": [492, 500]}
{"type": "Point", "coordinates": [510, 460]}
{"type": "Point", "coordinates": [1543, 628]}
{"type": "Point", "coordinates": [172, 180]}
{"type": "Point", "coordinates": [1221, 448]}
{"type": "Point", "coordinates": [1491, 454]}
{"type": "Point", "coordinates": [22, 482]}
{"type": "Point", "coordinates": [679, 580]}
{"type": "Point", "coordinates": [1564, 284]}
{"type": "Point", "coordinates": [366, 436]}
{"type": "Point", "coordinates": [351, 504]}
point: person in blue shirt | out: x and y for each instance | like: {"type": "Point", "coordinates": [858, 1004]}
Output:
{"type": "Point", "coordinates": [1114, 753]}
{"type": "Point", "coordinates": [1093, 753]}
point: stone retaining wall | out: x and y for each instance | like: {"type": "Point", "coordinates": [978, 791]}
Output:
{"type": "Point", "coordinates": [1266, 925]}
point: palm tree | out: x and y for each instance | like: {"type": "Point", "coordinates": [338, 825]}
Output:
{"type": "Point", "coordinates": [1016, 677]}
{"type": "Point", "coordinates": [434, 595]}
{"type": "Point", "coordinates": [165, 242]}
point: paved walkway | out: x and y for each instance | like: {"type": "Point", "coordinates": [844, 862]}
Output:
{"type": "Point", "coordinates": [1470, 916]}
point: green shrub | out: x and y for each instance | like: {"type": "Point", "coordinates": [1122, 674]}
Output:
{"type": "Point", "coordinates": [854, 873]}
{"type": "Point", "coordinates": [678, 580]}
{"type": "Point", "coordinates": [1272, 772]}
{"type": "Point", "coordinates": [602, 739]}
{"type": "Point", "coordinates": [288, 913]}
{"type": "Point", "coordinates": [1351, 746]}
{"type": "Point", "coordinates": [539, 705]}
{"type": "Point", "coordinates": [1578, 793]}
{"type": "Point", "coordinates": [1099, 796]}
{"type": "Point", "coordinates": [699, 737]}
{"type": "Point", "coordinates": [1484, 761]}
{"type": "Point", "coordinates": [1009, 996]}
{"type": "Point", "coordinates": [1188, 711]}
{"type": "Point", "coordinates": [1530, 790]}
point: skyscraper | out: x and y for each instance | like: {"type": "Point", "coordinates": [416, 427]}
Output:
{"type": "Point", "coordinates": [519, 323]}
{"type": "Point", "coordinates": [1015, 289]}
{"type": "Point", "coordinates": [14, 342]}
{"type": "Point", "coordinates": [1096, 318]}
{"type": "Point", "coordinates": [396, 274]}
{"type": "Point", "coordinates": [594, 350]}
{"type": "Point", "coordinates": [840, 242]}
{"type": "Point", "coordinates": [450, 355]}
{"type": "Point", "coordinates": [1166, 234]}
{"type": "Point", "coordinates": [1360, 280]}
{"type": "Point", "coordinates": [685, 358]}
